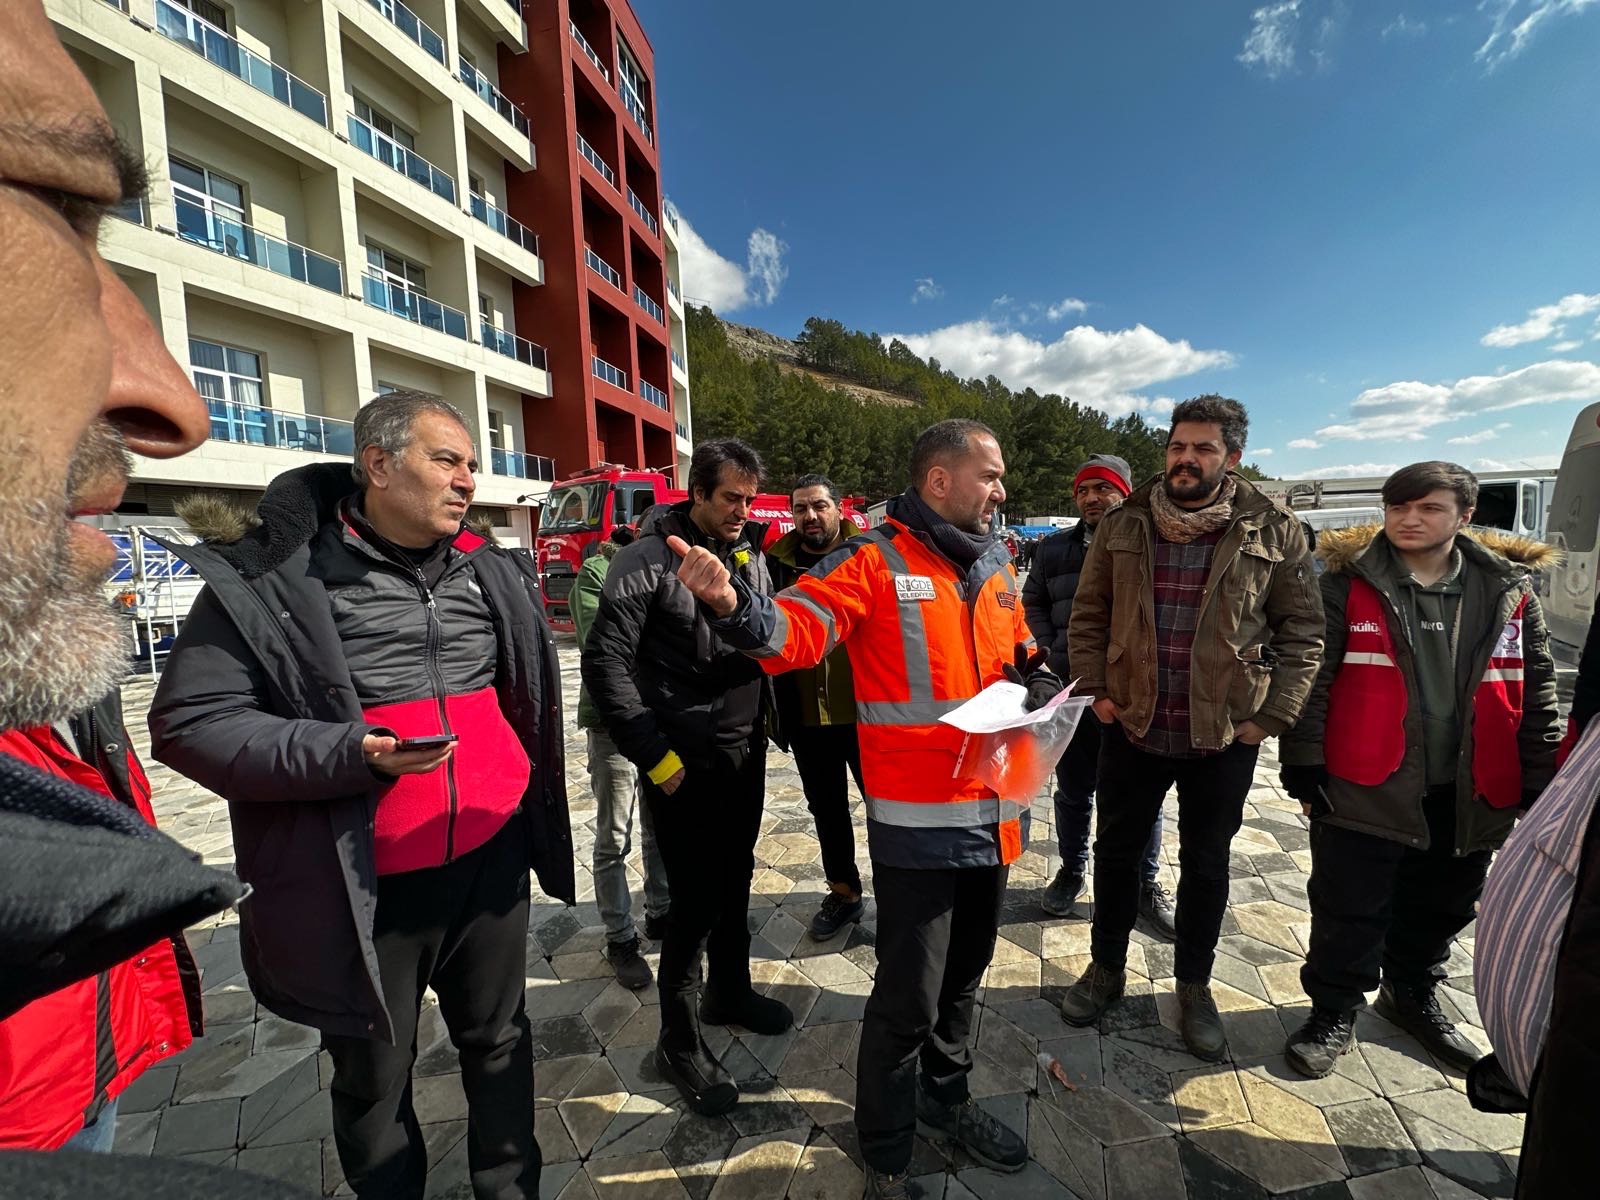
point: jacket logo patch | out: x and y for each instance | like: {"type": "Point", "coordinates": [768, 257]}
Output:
{"type": "Point", "coordinates": [1007, 599]}
{"type": "Point", "coordinates": [1510, 643]}
{"type": "Point", "coordinates": [913, 587]}
{"type": "Point", "coordinates": [1364, 627]}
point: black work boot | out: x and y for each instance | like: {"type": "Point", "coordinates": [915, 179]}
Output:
{"type": "Point", "coordinates": [1315, 1047]}
{"type": "Point", "coordinates": [758, 1014]}
{"type": "Point", "coordinates": [1417, 1011]}
{"type": "Point", "coordinates": [632, 971]}
{"type": "Point", "coordinates": [1200, 1022]}
{"type": "Point", "coordinates": [1065, 890]}
{"type": "Point", "coordinates": [837, 911]}
{"type": "Point", "coordinates": [706, 1087]}
{"type": "Point", "coordinates": [1155, 906]}
{"type": "Point", "coordinates": [978, 1131]}
{"type": "Point", "coordinates": [883, 1186]}
{"type": "Point", "coordinates": [1087, 1000]}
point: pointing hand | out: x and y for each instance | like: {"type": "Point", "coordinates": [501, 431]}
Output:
{"type": "Point", "coordinates": [703, 574]}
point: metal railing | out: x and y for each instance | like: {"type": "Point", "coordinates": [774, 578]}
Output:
{"type": "Point", "coordinates": [503, 223]}
{"type": "Point", "coordinates": [615, 376]}
{"type": "Point", "coordinates": [683, 430]}
{"type": "Point", "coordinates": [253, 425]}
{"type": "Point", "coordinates": [677, 361]}
{"type": "Point", "coordinates": [225, 235]}
{"type": "Point", "coordinates": [644, 212]}
{"type": "Point", "coordinates": [216, 46]}
{"type": "Point", "coordinates": [517, 465]}
{"type": "Point", "coordinates": [503, 341]}
{"type": "Point", "coordinates": [136, 211]}
{"type": "Point", "coordinates": [635, 109]}
{"type": "Point", "coordinates": [643, 300]}
{"type": "Point", "coordinates": [494, 97]}
{"type": "Point", "coordinates": [673, 288]}
{"type": "Point", "coordinates": [413, 26]}
{"type": "Point", "coordinates": [382, 292]}
{"type": "Point", "coordinates": [602, 268]}
{"type": "Point", "coordinates": [598, 163]}
{"type": "Point", "coordinates": [672, 219]}
{"type": "Point", "coordinates": [408, 162]}
{"type": "Point", "coordinates": [119, 5]}
{"type": "Point", "coordinates": [588, 50]}
{"type": "Point", "coordinates": [655, 395]}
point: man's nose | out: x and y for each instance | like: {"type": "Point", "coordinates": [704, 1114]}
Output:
{"type": "Point", "coordinates": [151, 400]}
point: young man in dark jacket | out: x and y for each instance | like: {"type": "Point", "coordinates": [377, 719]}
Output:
{"type": "Point", "coordinates": [689, 712]}
{"type": "Point", "coordinates": [355, 617]}
{"type": "Point", "coordinates": [1102, 483]}
{"type": "Point", "coordinates": [1432, 723]}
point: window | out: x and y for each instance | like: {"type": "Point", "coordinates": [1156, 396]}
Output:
{"type": "Point", "coordinates": [496, 430]}
{"type": "Point", "coordinates": [385, 124]}
{"type": "Point", "coordinates": [631, 503]}
{"type": "Point", "coordinates": [630, 79]}
{"type": "Point", "coordinates": [206, 11]}
{"type": "Point", "coordinates": [234, 386]}
{"type": "Point", "coordinates": [485, 308]}
{"type": "Point", "coordinates": [396, 270]}
{"type": "Point", "coordinates": [475, 184]}
{"type": "Point", "coordinates": [385, 388]}
{"type": "Point", "coordinates": [1530, 508]}
{"type": "Point", "coordinates": [210, 207]}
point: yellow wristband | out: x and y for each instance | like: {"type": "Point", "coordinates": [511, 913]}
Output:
{"type": "Point", "coordinates": [666, 768]}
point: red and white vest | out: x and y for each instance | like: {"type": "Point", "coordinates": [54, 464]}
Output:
{"type": "Point", "coordinates": [1365, 736]}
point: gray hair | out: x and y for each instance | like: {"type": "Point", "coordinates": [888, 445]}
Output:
{"type": "Point", "coordinates": [388, 421]}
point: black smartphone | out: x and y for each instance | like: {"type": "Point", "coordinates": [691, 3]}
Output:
{"type": "Point", "coordinates": [430, 741]}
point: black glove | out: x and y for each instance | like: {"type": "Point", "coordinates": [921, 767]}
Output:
{"type": "Point", "coordinates": [1028, 671]}
{"type": "Point", "coordinates": [1306, 784]}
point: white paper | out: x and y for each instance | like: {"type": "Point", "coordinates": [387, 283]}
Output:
{"type": "Point", "coordinates": [1000, 707]}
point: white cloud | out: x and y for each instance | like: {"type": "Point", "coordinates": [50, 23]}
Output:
{"type": "Point", "coordinates": [1473, 439]}
{"type": "Point", "coordinates": [1548, 320]}
{"type": "Point", "coordinates": [1305, 444]}
{"type": "Point", "coordinates": [926, 289]}
{"type": "Point", "coordinates": [1105, 368]}
{"type": "Point", "coordinates": [1264, 452]}
{"type": "Point", "coordinates": [1352, 470]}
{"type": "Point", "coordinates": [711, 279]}
{"type": "Point", "coordinates": [1534, 462]}
{"type": "Point", "coordinates": [1269, 45]}
{"type": "Point", "coordinates": [1565, 347]}
{"type": "Point", "coordinates": [1063, 307]}
{"type": "Point", "coordinates": [1404, 26]}
{"type": "Point", "coordinates": [1516, 21]}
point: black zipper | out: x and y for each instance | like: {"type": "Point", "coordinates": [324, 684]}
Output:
{"type": "Point", "coordinates": [437, 676]}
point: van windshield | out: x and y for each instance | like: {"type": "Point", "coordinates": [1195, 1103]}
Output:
{"type": "Point", "coordinates": [575, 507]}
{"type": "Point", "coordinates": [1497, 505]}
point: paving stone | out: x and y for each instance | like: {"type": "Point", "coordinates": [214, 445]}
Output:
{"type": "Point", "coordinates": [1400, 1066]}
{"type": "Point", "coordinates": [1403, 1183]}
{"type": "Point", "coordinates": [277, 1098]}
{"type": "Point", "coordinates": [1371, 1135]}
{"type": "Point", "coordinates": [1142, 1084]}
{"type": "Point", "coordinates": [207, 1125]}
{"type": "Point", "coordinates": [564, 1036]}
{"type": "Point", "coordinates": [1108, 1118]}
{"type": "Point", "coordinates": [1498, 1131]}
{"type": "Point", "coordinates": [1208, 1098]}
{"type": "Point", "coordinates": [591, 1104]}
{"type": "Point", "coordinates": [609, 1011]}
{"type": "Point", "coordinates": [1290, 1118]}
{"type": "Point", "coordinates": [828, 1097]}
{"type": "Point", "coordinates": [824, 1172]}
{"type": "Point", "coordinates": [643, 1123]}
{"type": "Point", "coordinates": [312, 1120]}
{"type": "Point", "coordinates": [150, 1092]}
{"type": "Point", "coordinates": [554, 1078]}
{"type": "Point", "coordinates": [296, 1163]}
{"type": "Point", "coordinates": [1333, 1089]}
{"type": "Point", "coordinates": [762, 1165]}
{"type": "Point", "coordinates": [1030, 1183]}
{"type": "Point", "coordinates": [1145, 1171]}
{"type": "Point", "coordinates": [1209, 1178]}
{"type": "Point", "coordinates": [646, 1176]}
{"type": "Point", "coordinates": [844, 1002]}
{"type": "Point", "coordinates": [136, 1132]}
{"type": "Point", "coordinates": [1277, 1165]}
{"type": "Point", "coordinates": [696, 1148]}
{"type": "Point", "coordinates": [1460, 1158]}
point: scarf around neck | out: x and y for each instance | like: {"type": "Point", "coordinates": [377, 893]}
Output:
{"type": "Point", "coordinates": [1182, 525]}
{"type": "Point", "coordinates": [959, 546]}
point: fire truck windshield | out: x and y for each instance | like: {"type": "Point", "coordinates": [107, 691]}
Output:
{"type": "Point", "coordinates": [576, 507]}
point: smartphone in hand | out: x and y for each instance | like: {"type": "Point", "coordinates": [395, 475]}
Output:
{"type": "Point", "coordinates": [431, 741]}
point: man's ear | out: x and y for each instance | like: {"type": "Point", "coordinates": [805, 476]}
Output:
{"type": "Point", "coordinates": [1234, 458]}
{"type": "Point", "coordinates": [375, 464]}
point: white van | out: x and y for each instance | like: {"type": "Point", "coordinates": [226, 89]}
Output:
{"type": "Point", "coordinates": [1568, 594]}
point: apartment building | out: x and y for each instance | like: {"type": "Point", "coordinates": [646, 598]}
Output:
{"type": "Point", "coordinates": [678, 347]}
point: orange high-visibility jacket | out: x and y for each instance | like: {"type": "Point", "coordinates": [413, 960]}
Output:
{"type": "Point", "coordinates": [923, 637]}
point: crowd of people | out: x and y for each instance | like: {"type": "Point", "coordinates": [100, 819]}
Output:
{"type": "Point", "coordinates": [373, 689]}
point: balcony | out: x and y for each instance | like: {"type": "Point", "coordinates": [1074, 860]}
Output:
{"type": "Point", "coordinates": [119, 5]}
{"type": "Point", "coordinates": [655, 395]}
{"type": "Point", "coordinates": [135, 211]}
{"type": "Point", "coordinates": [413, 26]}
{"type": "Point", "coordinates": [503, 341]}
{"type": "Point", "coordinates": [216, 46]}
{"type": "Point", "coordinates": [602, 268]}
{"type": "Point", "coordinates": [252, 425]}
{"type": "Point", "coordinates": [595, 161]}
{"type": "Point", "coordinates": [224, 235]}
{"type": "Point", "coordinates": [645, 214]}
{"type": "Point", "coordinates": [588, 50]}
{"type": "Point", "coordinates": [673, 287]}
{"type": "Point", "coordinates": [677, 361]}
{"type": "Point", "coordinates": [636, 111]}
{"type": "Point", "coordinates": [503, 223]}
{"type": "Point", "coordinates": [682, 430]}
{"type": "Point", "coordinates": [642, 299]}
{"type": "Point", "coordinates": [408, 162]}
{"type": "Point", "coordinates": [401, 301]}
{"type": "Point", "coordinates": [494, 98]}
{"type": "Point", "coordinates": [615, 376]}
{"type": "Point", "coordinates": [517, 465]}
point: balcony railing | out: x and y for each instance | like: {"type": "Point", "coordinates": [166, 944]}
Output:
{"type": "Point", "coordinates": [119, 5]}
{"type": "Point", "coordinates": [644, 212]}
{"type": "Point", "coordinates": [672, 219]}
{"type": "Point", "coordinates": [215, 45]}
{"type": "Point", "coordinates": [503, 223]}
{"type": "Point", "coordinates": [413, 26]}
{"type": "Point", "coordinates": [503, 341]}
{"type": "Point", "coordinates": [636, 111]}
{"type": "Point", "coordinates": [615, 376]}
{"type": "Point", "coordinates": [588, 50]}
{"type": "Point", "coordinates": [234, 238]}
{"type": "Point", "coordinates": [601, 267]}
{"type": "Point", "coordinates": [683, 430]}
{"type": "Point", "coordinates": [517, 465]}
{"type": "Point", "coordinates": [135, 210]}
{"type": "Point", "coordinates": [494, 97]}
{"type": "Point", "coordinates": [642, 299]}
{"type": "Point", "coordinates": [654, 395]}
{"type": "Point", "coordinates": [677, 361]}
{"type": "Point", "coordinates": [673, 288]}
{"type": "Point", "coordinates": [382, 292]}
{"type": "Point", "coordinates": [408, 162]}
{"type": "Point", "coordinates": [598, 163]}
{"type": "Point", "coordinates": [252, 425]}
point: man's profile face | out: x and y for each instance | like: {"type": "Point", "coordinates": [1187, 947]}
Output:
{"type": "Point", "coordinates": [967, 490]}
{"type": "Point", "coordinates": [426, 491]}
{"type": "Point", "coordinates": [723, 513]}
{"type": "Point", "coordinates": [816, 516]}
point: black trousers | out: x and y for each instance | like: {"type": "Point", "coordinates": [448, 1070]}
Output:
{"type": "Point", "coordinates": [1132, 785]}
{"type": "Point", "coordinates": [706, 831]}
{"type": "Point", "coordinates": [463, 929]}
{"type": "Point", "coordinates": [1378, 904]}
{"type": "Point", "coordinates": [936, 934]}
{"type": "Point", "coordinates": [822, 755]}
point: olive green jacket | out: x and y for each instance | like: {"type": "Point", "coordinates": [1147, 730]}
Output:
{"type": "Point", "coordinates": [823, 694]}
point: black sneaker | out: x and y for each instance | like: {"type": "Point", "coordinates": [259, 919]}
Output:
{"type": "Point", "coordinates": [655, 927]}
{"type": "Point", "coordinates": [1419, 1014]}
{"type": "Point", "coordinates": [1200, 1023]}
{"type": "Point", "coordinates": [1065, 890]}
{"type": "Point", "coordinates": [978, 1131]}
{"type": "Point", "coordinates": [632, 971]}
{"type": "Point", "coordinates": [837, 911]}
{"type": "Point", "coordinates": [705, 1086]}
{"type": "Point", "coordinates": [1087, 1000]}
{"type": "Point", "coordinates": [1315, 1047]}
{"type": "Point", "coordinates": [758, 1014]}
{"type": "Point", "coordinates": [883, 1186]}
{"type": "Point", "coordinates": [1155, 906]}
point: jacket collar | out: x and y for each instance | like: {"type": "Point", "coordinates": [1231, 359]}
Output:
{"type": "Point", "coordinates": [1248, 500]}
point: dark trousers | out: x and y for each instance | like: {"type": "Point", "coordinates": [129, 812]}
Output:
{"type": "Point", "coordinates": [822, 755]}
{"type": "Point", "coordinates": [1211, 793]}
{"type": "Point", "coordinates": [463, 929]}
{"type": "Point", "coordinates": [1378, 904]}
{"type": "Point", "coordinates": [706, 831]}
{"type": "Point", "coordinates": [936, 934]}
{"type": "Point", "coordinates": [1075, 780]}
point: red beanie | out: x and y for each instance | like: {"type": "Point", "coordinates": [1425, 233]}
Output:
{"type": "Point", "coordinates": [1094, 470]}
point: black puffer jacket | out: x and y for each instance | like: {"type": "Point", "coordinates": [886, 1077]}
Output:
{"type": "Point", "coordinates": [1047, 592]}
{"type": "Point", "coordinates": [662, 679]}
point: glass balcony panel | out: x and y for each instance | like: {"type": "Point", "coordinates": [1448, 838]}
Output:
{"type": "Point", "coordinates": [493, 97]}
{"type": "Point", "coordinates": [677, 361]}
{"type": "Point", "coordinates": [408, 162]}
{"type": "Point", "coordinates": [503, 341]}
{"type": "Point", "coordinates": [253, 425]}
{"type": "Point", "coordinates": [206, 39]}
{"type": "Point", "coordinates": [615, 376]}
{"type": "Point", "coordinates": [413, 26]}
{"type": "Point", "coordinates": [644, 212]}
{"type": "Point", "coordinates": [654, 395]}
{"type": "Point", "coordinates": [643, 300]}
{"type": "Point", "coordinates": [598, 163]}
{"type": "Point", "coordinates": [588, 50]}
{"type": "Point", "coordinates": [228, 236]}
{"type": "Point", "coordinates": [516, 465]}
{"type": "Point", "coordinates": [402, 302]}
{"type": "Point", "coordinates": [503, 223]}
{"type": "Point", "coordinates": [601, 267]}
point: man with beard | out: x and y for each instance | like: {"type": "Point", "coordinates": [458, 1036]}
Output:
{"type": "Point", "coordinates": [1197, 627]}
{"type": "Point", "coordinates": [817, 708]}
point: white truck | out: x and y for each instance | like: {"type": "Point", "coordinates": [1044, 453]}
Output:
{"type": "Point", "coordinates": [1568, 590]}
{"type": "Point", "coordinates": [1518, 501]}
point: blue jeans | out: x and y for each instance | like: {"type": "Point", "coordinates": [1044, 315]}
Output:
{"type": "Point", "coordinates": [96, 1138]}
{"type": "Point", "coordinates": [1075, 776]}
{"type": "Point", "coordinates": [616, 793]}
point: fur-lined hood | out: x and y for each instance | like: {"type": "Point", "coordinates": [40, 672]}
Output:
{"type": "Point", "coordinates": [1339, 548]}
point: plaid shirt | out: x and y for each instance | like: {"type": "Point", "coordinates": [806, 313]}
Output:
{"type": "Point", "coordinates": [1181, 571]}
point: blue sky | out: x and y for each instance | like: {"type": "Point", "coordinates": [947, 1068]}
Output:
{"type": "Point", "coordinates": [1375, 222]}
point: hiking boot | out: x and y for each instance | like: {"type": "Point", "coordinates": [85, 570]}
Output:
{"type": "Point", "coordinates": [1315, 1047]}
{"type": "Point", "coordinates": [1200, 1023]}
{"type": "Point", "coordinates": [883, 1186]}
{"type": "Point", "coordinates": [706, 1087]}
{"type": "Point", "coordinates": [655, 927]}
{"type": "Point", "coordinates": [837, 911]}
{"type": "Point", "coordinates": [1155, 906]}
{"type": "Point", "coordinates": [1419, 1014]}
{"type": "Point", "coordinates": [1087, 1000]}
{"type": "Point", "coordinates": [975, 1129]}
{"type": "Point", "coordinates": [758, 1014]}
{"type": "Point", "coordinates": [632, 971]}
{"type": "Point", "coordinates": [1065, 890]}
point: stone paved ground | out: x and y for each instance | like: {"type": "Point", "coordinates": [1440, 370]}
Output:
{"type": "Point", "coordinates": [1146, 1120]}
